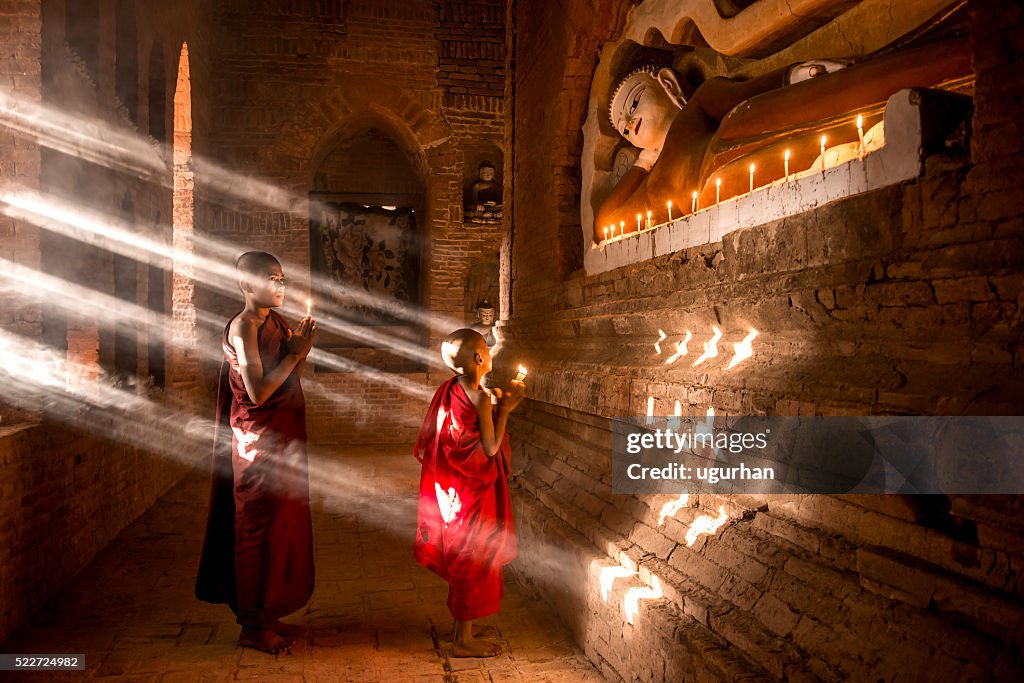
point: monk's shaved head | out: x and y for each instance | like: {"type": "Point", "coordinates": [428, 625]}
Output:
{"type": "Point", "coordinates": [255, 263]}
{"type": "Point", "coordinates": [458, 348]}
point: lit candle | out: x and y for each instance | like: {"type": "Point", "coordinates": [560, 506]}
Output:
{"type": "Point", "coordinates": [679, 409]}
{"type": "Point", "coordinates": [787, 164]}
{"type": "Point", "coordinates": [693, 203]}
{"type": "Point", "coordinates": [521, 374]}
{"type": "Point", "coordinates": [309, 306]}
{"type": "Point", "coordinates": [622, 229]}
{"type": "Point", "coordinates": [606, 233]}
{"type": "Point", "coordinates": [648, 220]}
{"type": "Point", "coordinates": [670, 211]}
{"type": "Point", "coordinates": [639, 217]}
{"type": "Point", "coordinates": [752, 177]}
{"type": "Point", "coordinates": [860, 133]}
{"type": "Point", "coordinates": [650, 410]}
{"type": "Point", "coordinates": [718, 190]}
{"type": "Point", "coordinates": [824, 139]}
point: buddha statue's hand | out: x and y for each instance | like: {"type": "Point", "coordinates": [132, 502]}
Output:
{"type": "Point", "coordinates": [648, 158]}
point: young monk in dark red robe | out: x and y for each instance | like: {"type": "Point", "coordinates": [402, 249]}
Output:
{"type": "Point", "coordinates": [464, 528]}
{"type": "Point", "coordinates": [258, 552]}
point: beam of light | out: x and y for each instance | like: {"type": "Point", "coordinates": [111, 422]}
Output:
{"type": "Point", "coordinates": [111, 311]}
{"type": "Point", "coordinates": [661, 337]}
{"type": "Point", "coordinates": [403, 385]}
{"type": "Point", "coordinates": [706, 525]}
{"type": "Point", "coordinates": [631, 603]}
{"type": "Point", "coordinates": [91, 139]}
{"type": "Point", "coordinates": [607, 577]}
{"type": "Point", "coordinates": [30, 368]}
{"type": "Point", "coordinates": [670, 508]}
{"type": "Point", "coordinates": [100, 142]}
{"type": "Point", "coordinates": [743, 350]}
{"type": "Point", "coordinates": [121, 237]}
{"type": "Point", "coordinates": [681, 349]}
{"type": "Point", "coordinates": [710, 347]}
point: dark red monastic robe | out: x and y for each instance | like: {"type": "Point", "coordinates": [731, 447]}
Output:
{"type": "Point", "coordinates": [464, 530]}
{"type": "Point", "coordinates": [258, 551]}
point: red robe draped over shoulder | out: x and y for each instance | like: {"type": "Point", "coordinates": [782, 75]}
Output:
{"type": "Point", "coordinates": [464, 530]}
{"type": "Point", "coordinates": [258, 551]}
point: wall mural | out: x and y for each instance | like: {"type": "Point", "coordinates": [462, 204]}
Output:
{"type": "Point", "coordinates": [365, 250]}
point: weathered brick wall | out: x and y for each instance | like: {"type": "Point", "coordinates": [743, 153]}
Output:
{"type": "Point", "coordinates": [65, 494]}
{"type": "Point", "coordinates": [21, 37]}
{"type": "Point", "coordinates": [296, 80]}
{"type": "Point", "coordinates": [74, 480]}
{"type": "Point", "coordinates": [905, 300]}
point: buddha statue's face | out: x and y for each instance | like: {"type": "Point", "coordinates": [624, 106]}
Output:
{"type": "Point", "coordinates": [486, 174]}
{"type": "Point", "coordinates": [485, 315]}
{"type": "Point", "coordinates": [643, 109]}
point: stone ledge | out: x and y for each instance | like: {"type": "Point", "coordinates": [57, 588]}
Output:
{"type": "Point", "coordinates": [899, 160]}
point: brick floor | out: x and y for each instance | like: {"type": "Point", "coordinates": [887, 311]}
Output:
{"type": "Point", "coordinates": [375, 616]}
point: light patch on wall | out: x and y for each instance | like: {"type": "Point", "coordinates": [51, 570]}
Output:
{"type": "Point", "coordinates": [670, 508]}
{"type": "Point", "coordinates": [607, 578]}
{"type": "Point", "coordinates": [743, 350]}
{"type": "Point", "coordinates": [710, 347]}
{"type": "Point", "coordinates": [631, 604]}
{"type": "Point", "coordinates": [706, 525]}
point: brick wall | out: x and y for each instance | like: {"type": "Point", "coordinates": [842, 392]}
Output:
{"type": "Point", "coordinates": [20, 36]}
{"type": "Point", "coordinates": [905, 300]}
{"type": "Point", "coordinates": [65, 494]}
{"type": "Point", "coordinates": [74, 474]}
{"type": "Point", "coordinates": [293, 85]}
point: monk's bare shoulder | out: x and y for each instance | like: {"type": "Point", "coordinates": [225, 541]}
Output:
{"type": "Point", "coordinates": [243, 327]}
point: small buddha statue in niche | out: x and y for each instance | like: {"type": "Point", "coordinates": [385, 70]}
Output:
{"type": "Point", "coordinates": [681, 149]}
{"type": "Point", "coordinates": [486, 191]}
{"type": "Point", "coordinates": [485, 322]}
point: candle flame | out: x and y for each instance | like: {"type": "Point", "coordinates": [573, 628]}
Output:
{"type": "Point", "coordinates": [670, 204]}
{"type": "Point", "coordinates": [650, 410]}
{"type": "Point", "coordinates": [787, 155]}
{"type": "Point", "coordinates": [860, 121]}
{"type": "Point", "coordinates": [522, 370]}
{"type": "Point", "coordinates": [309, 306]}
{"type": "Point", "coordinates": [752, 169]}
{"type": "Point", "coordinates": [718, 182]}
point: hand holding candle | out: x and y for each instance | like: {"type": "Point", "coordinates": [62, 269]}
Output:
{"type": "Point", "coordinates": [521, 374]}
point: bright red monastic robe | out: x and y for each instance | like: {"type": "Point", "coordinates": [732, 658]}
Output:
{"type": "Point", "coordinates": [464, 530]}
{"type": "Point", "coordinates": [258, 551]}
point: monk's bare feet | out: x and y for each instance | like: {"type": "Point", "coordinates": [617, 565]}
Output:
{"type": "Point", "coordinates": [286, 630]}
{"type": "Point", "coordinates": [481, 631]}
{"type": "Point", "coordinates": [476, 648]}
{"type": "Point", "coordinates": [265, 640]}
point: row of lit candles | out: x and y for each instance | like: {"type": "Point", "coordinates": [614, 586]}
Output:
{"type": "Point", "coordinates": [718, 187]}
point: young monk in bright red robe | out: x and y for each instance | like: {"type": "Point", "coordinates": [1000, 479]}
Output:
{"type": "Point", "coordinates": [464, 528]}
{"type": "Point", "coordinates": [258, 552]}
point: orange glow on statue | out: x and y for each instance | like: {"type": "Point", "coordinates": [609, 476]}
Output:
{"type": "Point", "coordinates": [726, 124]}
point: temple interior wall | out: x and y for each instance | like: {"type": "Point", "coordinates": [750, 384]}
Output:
{"type": "Point", "coordinates": [904, 300]}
